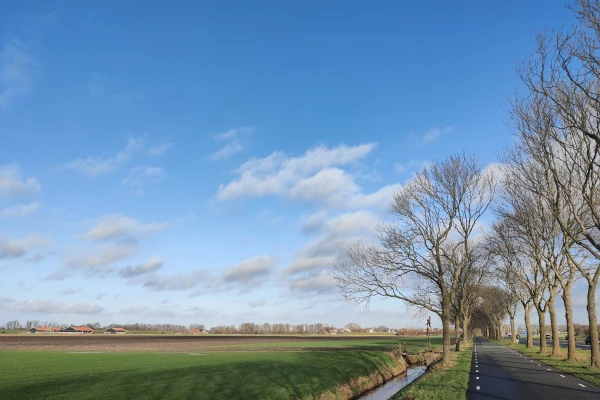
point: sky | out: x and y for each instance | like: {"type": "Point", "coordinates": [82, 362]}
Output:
{"type": "Point", "coordinates": [208, 162]}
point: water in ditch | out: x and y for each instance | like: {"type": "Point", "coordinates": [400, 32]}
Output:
{"type": "Point", "coordinates": [393, 386]}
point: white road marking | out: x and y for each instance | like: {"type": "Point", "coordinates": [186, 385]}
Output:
{"type": "Point", "coordinates": [476, 370]}
{"type": "Point", "coordinates": [549, 369]}
{"type": "Point", "coordinates": [476, 377]}
{"type": "Point", "coordinates": [478, 388]}
{"type": "Point", "coordinates": [563, 376]}
{"type": "Point", "coordinates": [581, 385]}
{"type": "Point", "coordinates": [539, 365]}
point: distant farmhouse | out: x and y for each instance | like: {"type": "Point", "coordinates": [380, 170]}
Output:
{"type": "Point", "coordinates": [198, 331]}
{"type": "Point", "coordinates": [77, 329]}
{"type": "Point", "coordinates": [44, 329]}
{"type": "Point", "coordinates": [114, 331]}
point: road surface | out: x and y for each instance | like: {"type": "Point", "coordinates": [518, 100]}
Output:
{"type": "Point", "coordinates": [501, 373]}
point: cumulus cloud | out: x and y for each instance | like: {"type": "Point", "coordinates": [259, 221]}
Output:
{"type": "Point", "coordinates": [160, 149]}
{"type": "Point", "coordinates": [431, 135]}
{"type": "Point", "coordinates": [254, 304]}
{"type": "Point", "coordinates": [51, 307]}
{"type": "Point", "coordinates": [233, 142]}
{"type": "Point", "coordinates": [19, 210]}
{"type": "Point", "coordinates": [311, 267]}
{"type": "Point", "coordinates": [250, 272]}
{"type": "Point", "coordinates": [18, 70]}
{"type": "Point", "coordinates": [13, 185]}
{"type": "Point", "coordinates": [102, 259]}
{"type": "Point", "coordinates": [175, 282]}
{"type": "Point", "coordinates": [106, 164]}
{"type": "Point", "coordinates": [153, 265]}
{"type": "Point", "coordinates": [117, 226]}
{"type": "Point", "coordinates": [4, 301]}
{"type": "Point", "coordinates": [321, 283]}
{"type": "Point", "coordinates": [14, 248]}
{"type": "Point", "coordinates": [140, 175]}
{"type": "Point", "coordinates": [308, 177]}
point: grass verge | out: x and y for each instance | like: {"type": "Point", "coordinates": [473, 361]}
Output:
{"type": "Point", "coordinates": [580, 368]}
{"type": "Point", "coordinates": [450, 383]}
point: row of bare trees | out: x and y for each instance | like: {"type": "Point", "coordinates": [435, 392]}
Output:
{"type": "Point", "coordinates": [547, 232]}
{"type": "Point", "coordinates": [549, 220]}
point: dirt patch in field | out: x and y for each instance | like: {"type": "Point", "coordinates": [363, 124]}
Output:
{"type": "Point", "coordinates": [160, 343]}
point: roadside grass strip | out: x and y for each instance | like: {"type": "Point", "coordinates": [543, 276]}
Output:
{"type": "Point", "coordinates": [438, 384]}
{"type": "Point", "coordinates": [580, 368]}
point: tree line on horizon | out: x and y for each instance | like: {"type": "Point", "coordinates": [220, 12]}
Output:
{"type": "Point", "coordinates": [544, 195]}
{"type": "Point", "coordinates": [245, 328]}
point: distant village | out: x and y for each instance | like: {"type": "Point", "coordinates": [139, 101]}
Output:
{"type": "Point", "coordinates": [245, 328]}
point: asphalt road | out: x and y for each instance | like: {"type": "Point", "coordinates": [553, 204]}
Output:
{"type": "Point", "coordinates": [501, 373]}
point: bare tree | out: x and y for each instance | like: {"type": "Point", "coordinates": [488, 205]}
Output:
{"type": "Point", "coordinates": [470, 280]}
{"type": "Point", "coordinates": [503, 254]}
{"type": "Point", "coordinates": [563, 94]}
{"type": "Point", "coordinates": [421, 256]}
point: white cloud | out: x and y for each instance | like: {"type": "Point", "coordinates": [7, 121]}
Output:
{"type": "Point", "coordinates": [431, 135]}
{"type": "Point", "coordinates": [51, 307]}
{"type": "Point", "coordinates": [140, 175]}
{"type": "Point", "coordinates": [250, 272]}
{"type": "Point", "coordinates": [182, 281]}
{"type": "Point", "coordinates": [160, 149]}
{"type": "Point", "coordinates": [102, 259]}
{"type": "Point", "coordinates": [12, 185]}
{"type": "Point", "coordinates": [321, 283]}
{"type": "Point", "coordinates": [256, 303]}
{"type": "Point", "coordinates": [19, 210]}
{"type": "Point", "coordinates": [14, 248]}
{"type": "Point", "coordinates": [312, 264]}
{"type": "Point", "coordinates": [278, 174]}
{"type": "Point", "coordinates": [107, 164]}
{"type": "Point", "coordinates": [153, 265]}
{"type": "Point", "coordinates": [18, 69]}
{"type": "Point", "coordinates": [234, 142]}
{"type": "Point", "coordinates": [118, 226]}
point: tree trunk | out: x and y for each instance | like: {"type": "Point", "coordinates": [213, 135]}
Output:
{"type": "Point", "coordinates": [513, 330]}
{"type": "Point", "coordinates": [571, 349]}
{"type": "Point", "coordinates": [591, 309]}
{"type": "Point", "coordinates": [457, 334]}
{"type": "Point", "coordinates": [553, 325]}
{"type": "Point", "coordinates": [447, 334]}
{"type": "Point", "coordinates": [527, 310]}
{"type": "Point", "coordinates": [542, 320]}
{"type": "Point", "coordinates": [466, 336]}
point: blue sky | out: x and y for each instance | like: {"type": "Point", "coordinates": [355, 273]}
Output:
{"type": "Point", "coordinates": [208, 162]}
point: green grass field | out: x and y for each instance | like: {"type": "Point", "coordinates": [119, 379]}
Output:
{"type": "Point", "coordinates": [442, 384]}
{"type": "Point", "coordinates": [579, 368]}
{"type": "Point", "coordinates": [213, 374]}
{"type": "Point", "coordinates": [412, 344]}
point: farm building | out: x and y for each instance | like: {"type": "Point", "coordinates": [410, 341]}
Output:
{"type": "Point", "coordinates": [197, 331]}
{"type": "Point", "coordinates": [114, 331]}
{"type": "Point", "coordinates": [77, 329]}
{"type": "Point", "coordinates": [44, 329]}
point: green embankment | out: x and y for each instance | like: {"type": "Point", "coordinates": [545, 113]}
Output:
{"type": "Point", "coordinates": [580, 368]}
{"type": "Point", "coordinates": [439, 384]}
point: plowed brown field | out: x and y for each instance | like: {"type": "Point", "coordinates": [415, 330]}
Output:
{"type": "Point", "coordinates": [154, 343]}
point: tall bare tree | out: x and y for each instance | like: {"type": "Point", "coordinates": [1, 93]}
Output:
{"type": "Point", "coordinates": [421, 255]}
{"type": "Point", "coordinates": [563, 92]}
